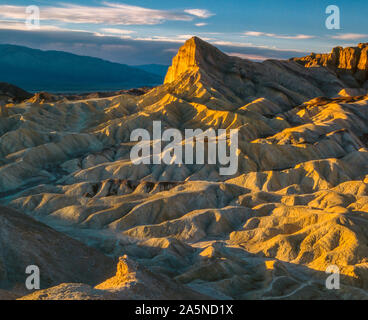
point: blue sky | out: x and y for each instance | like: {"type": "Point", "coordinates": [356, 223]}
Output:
{"type": "Point", "coordinates": [151, 31]}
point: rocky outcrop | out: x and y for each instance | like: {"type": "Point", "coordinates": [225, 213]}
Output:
{"type": "Point", "coordinates": [44, 97]}
{"type": "Point", "coordinates": [11, 93]}
{"type": "Point", "coordinates": [297, 203]}
{"type": "Point", "coordinates": [195, 55]}
{"type": "Point", "coordinates": [202, 70]}
{"type": "Point", "coordinates": [131, 282]}
{"type": "Point", "coordinates": [350, 64]}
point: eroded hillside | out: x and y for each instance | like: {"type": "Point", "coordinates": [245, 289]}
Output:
{"type": "Point", "coordinates": [297, 204]}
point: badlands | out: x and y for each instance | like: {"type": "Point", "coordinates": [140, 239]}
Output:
{"type": "Point", "coordinates": [73, 202]}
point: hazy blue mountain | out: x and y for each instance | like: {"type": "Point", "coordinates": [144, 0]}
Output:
{"type": "Point", "coordinates": [37, 70]}
{"type": "Point", "coordinates": [158, 69]}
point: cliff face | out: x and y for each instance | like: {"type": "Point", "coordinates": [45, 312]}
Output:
{"type": "Point", "coordinates": [343, 61]}
{"type": "Point", "coordinates": [201, 68]}
{"type": "Point", "coordinates": [196, 54]}
{"type": "Point", "coordinates": [184, 61]}
{"type": "Point", "coordinates": [349, 68]}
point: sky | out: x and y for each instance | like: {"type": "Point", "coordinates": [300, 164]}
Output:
{"type": "Point", "coordinates": [151, 31]}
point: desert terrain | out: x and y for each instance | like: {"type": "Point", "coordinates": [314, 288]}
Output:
{"type": "Point", "coordinates": [101, 227]}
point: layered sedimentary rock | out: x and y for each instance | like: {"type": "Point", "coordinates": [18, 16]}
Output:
{"type": "Point", "coordinates": [297, 204]}
{"type": "Point", "coordinates": [349, 64]}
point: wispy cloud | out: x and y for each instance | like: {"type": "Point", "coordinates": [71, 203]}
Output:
{"type": "Point", "coordinates": [181, 38]}
{"type": "Point", "coordinates": [278, 36]}
{"type": "Point", "coordinates": [108, 13]}
{"type": "Point", "coordinates": [201, 24]}
{"type": "Point", "coordinates": [129, 51]}
{"type": "Point", "coordinates": [200, 13]}
{"type": "Point", "coordinates": [117, 31]}
{"type": "Point", "coordinates": [254, 57]}
{"type": "Point", "coordinates": [350, 36]}
{"type": "Point", "coordinates": [233, 44]}
{"type": "Point", "coordinates": [251, 45]}
{"type": "Point", "coordinates": [16, 25]}
{"type": "Point", "coordinates": [257, 34]}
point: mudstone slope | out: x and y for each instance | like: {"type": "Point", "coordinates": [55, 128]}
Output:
{"type": "Point", "coordinates": [297, 204]}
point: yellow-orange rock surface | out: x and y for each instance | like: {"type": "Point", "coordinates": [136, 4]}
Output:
{"type": "Point", "coordinates": [297, 204]}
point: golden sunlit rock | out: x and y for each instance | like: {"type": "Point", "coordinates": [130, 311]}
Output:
{"type": "Point", "coordinates": [297, 204]}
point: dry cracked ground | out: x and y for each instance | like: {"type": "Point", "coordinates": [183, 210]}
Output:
{"type": "Point", "coordinates": [73, 202]}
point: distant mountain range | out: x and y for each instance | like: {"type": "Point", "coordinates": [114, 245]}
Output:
{"type": "Point", "coordinates": [56, 71]}
{"type": "Point", "coordinates": [158, 69]}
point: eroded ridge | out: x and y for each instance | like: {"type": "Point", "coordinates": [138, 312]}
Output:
{"type": "Point", "coordinates": [297, 204]}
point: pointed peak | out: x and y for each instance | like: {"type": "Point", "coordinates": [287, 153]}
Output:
{"type": "Point", "coordinates": [195, 40]}
{"type": "Point", "coordinates": [200, 46]}
{"type": "Point", "coordinates": [193, 54]}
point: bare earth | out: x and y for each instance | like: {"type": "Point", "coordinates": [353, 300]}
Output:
{"type": "Point", "coordinates": [298, 203]}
